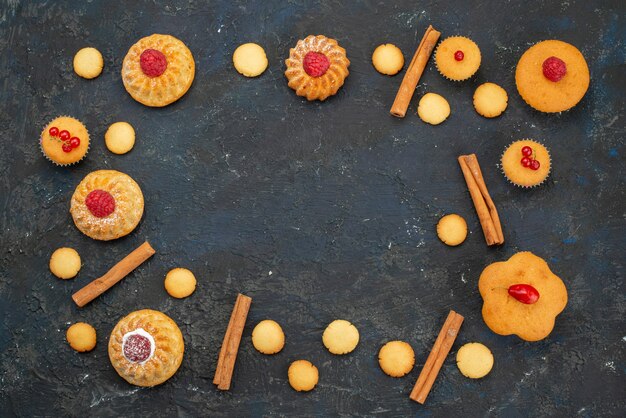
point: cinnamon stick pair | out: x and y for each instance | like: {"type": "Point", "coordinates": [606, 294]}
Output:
{"type": "Point", "coordinates": [485, 208]}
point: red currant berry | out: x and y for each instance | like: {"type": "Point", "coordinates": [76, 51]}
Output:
{"type": "Point", "coordinates": [54, 131]}
{"type": "Point", "coordinates": [527, 151]}
{"type": "Point", "coordinates": [459, 55]}
{"type": "Point", "coordinates": [74, 142]}
{"type": "Point", "coordinates": [525, 293]}
{"type": "Point", "coordinates": [534, 165]}
{"type": "Point", "coordinates": [64, 135]}
{"type": "Point", "coordinates": [66, 147]}
{"type": "Point", "coordinates": [526, 161]}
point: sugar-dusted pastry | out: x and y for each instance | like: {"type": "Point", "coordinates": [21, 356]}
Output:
{"type": "Point", "coordinates": [521, 296]}
{"type": "Point", "coordinates": [457, 58]}
{"type": "Point", "coordinates": [433, 108]}
{"type": "Point", "coordinates": [81, 337]}
{"type": "Point", "coordinates": [88, 63]}
{"type": "Point", "coordinates": [396, 358]}
{"type": "Point", "coordinates": [106, 205]}
{"type": "Point", "coordinates": [303, 376]}
{"type": "Point", "coordinates": [388, 59]}
{"type": "Point", "coordinates": [552, 76]}
{"type": "Point", "coordinates": [65, 263]}
{"type": "Point", "coordinates": [146, 347]}
{"type": "Point", "coordinates": [64, 141]}
{"type": "Point", "coordinates": [474, 360]}
{"type": "Point", "coordinates": [526, 163]}
{"type": "Point", "coordinates": [340, 337]}
{"type": "Point", "coordinates": [250, 60]}
{"type": "Point", "coordinates": [316, 67]}
{"type": "Point", "coordinates": [268, 337]}
{"type": "Point", "coordinates": [180, 283]}
{"type": "Point", "coordinates": [490, 100]}
{"type": "Point", "coordinates": [120, 137]}
{"type": "Point", "coordinates": [158, 70]}
{"type": "Point", "coordinates": [452, 229]}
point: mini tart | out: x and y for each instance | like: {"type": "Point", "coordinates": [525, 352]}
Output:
{"type": "Point", "coordinates": [316, 67]}
{"type": "Point", "coordinates": [146, 348]}
{"type": "Point", "coordinates": [522, 176]}
{"type": "Point", "coordinates": [540, 92]}
{"type": "Point", "coordinates": [106, 205]}
{"type": "Point", "coordinates": [161, 76]}
{"type": "Point", "coordinates": [51, 146]}
{"type": "Point", "coordinates": [451, 68]}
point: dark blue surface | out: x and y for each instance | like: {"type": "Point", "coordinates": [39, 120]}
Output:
{"type": "Point", "coordinates": [317, 211]}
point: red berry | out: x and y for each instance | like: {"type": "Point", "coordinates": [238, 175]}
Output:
{"type": "Point", "coordinates": [526, 161]}
{"type": "Point", "coordinates": [66, 147]}
{"type": "Point", "coordinates": [54, 131]}
{"type": "Point", "coordinates": [100, 203]}
{"type": "Point", "coordinates": [64, 135]}
{"type": "Point", "coordinates": [153, 63]}
{"type": "Point", "coordinates": [525, 293]}
{"type": "Point", "coordinates": [459, 55]}
{"type": "Point", "coordinates": [534, 165]}
{"type": "Point", "coordinates": [554, 69]}
{"type": "Point", "coordinates": [527, 151]}
{"type": "Point", "coordinates": [137, 348]}
{"type": "Point", "coordinates": [315, 64]}
{"type": "Point", "coordinates": [74, 141]}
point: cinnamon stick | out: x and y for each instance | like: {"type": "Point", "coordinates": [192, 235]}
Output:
{"type": "Point", "coordinates": [437, 356]}
{"type": "Point", "coordinates": [485, 208]}
{"type": "Point", "coordinates": [117, 273]}
{"type": "Point", "coordinates": [230, 346]}
{"type": "Point", "coordinates": [414, 72]}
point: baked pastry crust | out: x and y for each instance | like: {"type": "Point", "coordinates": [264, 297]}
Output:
{"type": "Point", "coordinates": [128, 205]}
{"type": "Point", "coordinates": [326, 85]}
{"type": "Point", "coordinates": [166, 88]}
{"type": "Point", "coordinates": [167, 353]}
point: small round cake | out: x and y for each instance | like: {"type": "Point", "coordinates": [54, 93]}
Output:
{"type": "Point", "coordinates": [457, 58]}
{"type": "Point", "coordinates": [396, 358]}
{"type": "Point", "coordinates": [340, 337]}
{"type": "Point", "coordinates": [250, 60]}
{"type": "Point", "coordinates": [158, 70]}
{"type": "Point", "coordinates": [552, 76]}
{"type": "Point", "coordinates": [88, 63]}
{"type": "Point", "coordinates": [303, 375]}
{"type": "Point", "coordinates": [65, 263]}
{"type": "Point", "coordinates": [106, 205]}
{"type": "Point", "coordinates": [268, 337]}
{"type": "Point", "coordinates": [316, 67]}
{"type": "Point", "coordinates": [388, 59]}
{"type": "Point", "coordinates": [490, 100]}
{"type": "Point", "coordinates": [81, 337]}
{"type": "Point", "coordinates": [526, 163]}
{"type": "Point", "coordinates": [146, 347]}
{"type": "Point", "coordinates": [64, 141]}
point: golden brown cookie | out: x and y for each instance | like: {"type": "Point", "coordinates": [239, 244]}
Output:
{"type": "Point", "coordinates": [490, 100]}
{"type": "Point", "coordinates": [180, 283]}
{"type": "Point", "coordinates": [64, 141]}
{"type": "Point", "coordinates": [88, 63]}
{"type": "Point", "coordinates": [303, 376]}
{"type": "Point", "coordinates": [120, 137]}
{"type": "Point", "coordinates": [146, 347]}
{"type": "Point", "coordinates": [526, 163]}
{"type": "Point", "coordinates": [65, 263]}
{"type": "Point", "coordinates": [250, 60]}
{"type": "Point", "coordinates": [396, 358]}
{"type": "Point", "coordinates": [81, 337]}
{"type": "Point", "coordinates": [506, 312]}
{"type": "Point", "coordinates": [388, 59]}
{"type": "Point", "coordinates": [340, 337]}
{"type": "Point", "coordinates": [457, 58]}
{"type": "Point", "coordinates": [158, 70]}
{"type": "Point", "coordinates": [474, 360]}
{"type": "Point", "coordinates": [433, 109]}
{"type": "Point", "coordinates": [452, 230]}
{"type": "Point", "coordinates": [268, 337]}
{"type": "Point", "coordinates": [106, 205]}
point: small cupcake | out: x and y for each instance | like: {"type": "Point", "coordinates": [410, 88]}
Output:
{"type": "Point", "coordinates": [64, 141]}
{"type": "Point", "coordinates": [457, 58]}
{"type": "Point", "coordinates": [526, 163]}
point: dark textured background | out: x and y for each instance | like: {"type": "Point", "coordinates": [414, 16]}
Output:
{"type": "Point", "coordinates": [317, 211]}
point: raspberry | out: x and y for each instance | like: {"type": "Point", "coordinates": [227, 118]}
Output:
{"type": "Point", "coordinates": [153, 62]}
{"type": "Point", "coordinates": [554, 69]}
{"type": "Point", "coordinates": [315, 64]}
{"type": "Point", "coordinates": [137, 348]}
{"type": "Point", "coordinates": [100, 203]}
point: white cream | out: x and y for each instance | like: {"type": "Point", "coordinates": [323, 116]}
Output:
{"type": "Point", "coordinates": [143, 333]}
